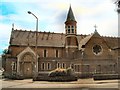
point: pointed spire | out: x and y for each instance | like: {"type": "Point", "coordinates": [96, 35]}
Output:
{"type": "Point", "coordinates": [70, 15]}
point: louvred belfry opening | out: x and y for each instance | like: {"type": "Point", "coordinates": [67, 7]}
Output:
{"type": "Point", "coordinates": [70, 24]}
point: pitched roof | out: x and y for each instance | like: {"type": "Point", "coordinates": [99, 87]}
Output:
{"type": "Point", "coordinates": [70, 15]}
{"type": "Point", "coordinates": [110, 41]}
{"type": "Point", "coordinates": [84, 41]}
{"type": "Point", "coordinates": [113, 42]}
{"type": "Point", "coordinates": [48, 39]}
{"type": "Point", "coordinates": [87, 38]}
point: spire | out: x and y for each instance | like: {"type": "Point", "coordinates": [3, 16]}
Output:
{"type": "Point", "coordinates": [70, 23]}
{"type": "Point", "coordinates": [70, 15]}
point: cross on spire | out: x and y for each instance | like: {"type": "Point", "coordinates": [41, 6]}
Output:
{"type": "Point", "coordinates": [95, 26]}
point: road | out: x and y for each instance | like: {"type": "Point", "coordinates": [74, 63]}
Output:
{"type": "Point", "coordinates": [81, 83]}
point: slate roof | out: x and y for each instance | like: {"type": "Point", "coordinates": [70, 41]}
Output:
{"type": "Point", "coordinates": [85, 40]}
{"type": "Point", "coordinates": [112, 42]}
{"type": "Point", "coordinates": [48, 39]}
{"type": "Point", "coordinates": [70, 15]}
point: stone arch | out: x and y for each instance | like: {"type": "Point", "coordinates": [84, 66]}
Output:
{"type": "Point", "coordinates": [27, 57]}
{"type": "Point", "coordinates": [27, 50]}
{"type": "Point", "coordinates": [27, 65]}
{"type": "Point", "coordinates": [26, 62]}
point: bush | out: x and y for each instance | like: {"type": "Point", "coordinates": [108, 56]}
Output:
{"type": "Point", "coordinates": [16, 76]}
{"type": "Point", "coordinates": [62, 72]}
{"type": "Point", "coordinates": [58, 72]}
{"type": "Point", "coordinates": [70, 72]}
{"type": "Point", "coordinates": [58, 75]}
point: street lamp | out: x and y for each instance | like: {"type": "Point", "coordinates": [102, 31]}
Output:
{"type": "Point", "coordinates": [118, 10]}
{"type": "Point", "coordinates": [36, 62]}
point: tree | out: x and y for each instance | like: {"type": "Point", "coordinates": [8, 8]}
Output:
{"type": "Point", "coordinates": [5, 51]}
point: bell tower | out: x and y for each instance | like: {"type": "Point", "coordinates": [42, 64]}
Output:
{"type": "Point", "coordinates": [70, 23]}
{"type": "Point", "coordinates": [71, 42]}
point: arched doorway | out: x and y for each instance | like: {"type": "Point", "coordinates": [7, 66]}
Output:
{"type": "Point", "coordinates": [26, 65]}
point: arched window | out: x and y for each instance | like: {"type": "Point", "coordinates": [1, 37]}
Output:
{"type": "Point", "coordinates": [57, 53]}
{"type": "Point", "coordinates": [43, 66]}
{"type": "Point", "coordinates": [58, 65]}
{"type": "Point", "coordinates": [72, 29]}
{"type": "Point", "coordinates": [68, 29]}
{"type": "Point", "coordinates": [48, 66]}
{"type": "Point", "coordinates": [63, 65]}
{"type": "Point", "coordinates": [77, 68]}
{"type": "Point", "coordinates": [13, 65]}
{"type": "Point", "coordinates": [72, 66]}
{"type": "Point", "coordinates": [45, 53]}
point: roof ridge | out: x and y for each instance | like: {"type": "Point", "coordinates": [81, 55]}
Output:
{"type": "Point", "coordinates": [110, 37]}
{"type": "Point", "coordinates": [38, 31]}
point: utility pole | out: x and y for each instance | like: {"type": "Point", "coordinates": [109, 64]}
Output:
{"type": "Point", "coordinates": [36, 62]}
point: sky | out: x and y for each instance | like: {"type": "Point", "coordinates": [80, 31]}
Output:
{"type": "Point", "coordinates": [52, 15]}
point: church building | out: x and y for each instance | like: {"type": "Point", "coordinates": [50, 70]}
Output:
{"type": "Point", "coordinates": [86, 54]}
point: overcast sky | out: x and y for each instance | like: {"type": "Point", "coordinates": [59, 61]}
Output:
{"type": "Point", "coordinates": [52, 15]}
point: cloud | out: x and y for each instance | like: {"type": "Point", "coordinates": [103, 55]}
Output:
{"type": "Point", "coordinates": [52, 15]}
{"type": "Point", "coordinates": [5, 30]}
{"type": "Point", "coordinates": [4, 36]}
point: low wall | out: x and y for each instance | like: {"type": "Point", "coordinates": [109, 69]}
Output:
{"type": "Point", "coordinates": [106, 76]}
{"type": "Point", "coordinates": [45, 77]}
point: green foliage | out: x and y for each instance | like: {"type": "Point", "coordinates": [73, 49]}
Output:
{"type": "Point", "coordinates": [5, 51]}
{"type": "Point", "coordinates": [58, 72]}
{"type": "Point", "coordinates": [61, 72]}
{"type": "Point", "coordinates": [70, 71]}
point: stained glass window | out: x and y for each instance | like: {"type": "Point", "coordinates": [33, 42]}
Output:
{"type": "Point", "coordinates": [97, 49]}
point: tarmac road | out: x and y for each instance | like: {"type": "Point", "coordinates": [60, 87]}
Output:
{"type": "Point", "coordinates": [81, 84]}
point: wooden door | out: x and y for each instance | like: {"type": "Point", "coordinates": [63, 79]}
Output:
{"type": "Point", "coordinates": [27, 70]}
{"type": "Point", "coordinates": [27, 65]}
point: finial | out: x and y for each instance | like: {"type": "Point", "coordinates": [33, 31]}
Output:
{"type": "Point", "coordinates": [95, 27]}
{"type": "Point", "coordinates": [70, 2]}
{"type": "Point", "coordinates": [13, 26]}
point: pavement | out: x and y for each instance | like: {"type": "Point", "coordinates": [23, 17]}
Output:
{"type": "Point", "coordinates": [81, 83]}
